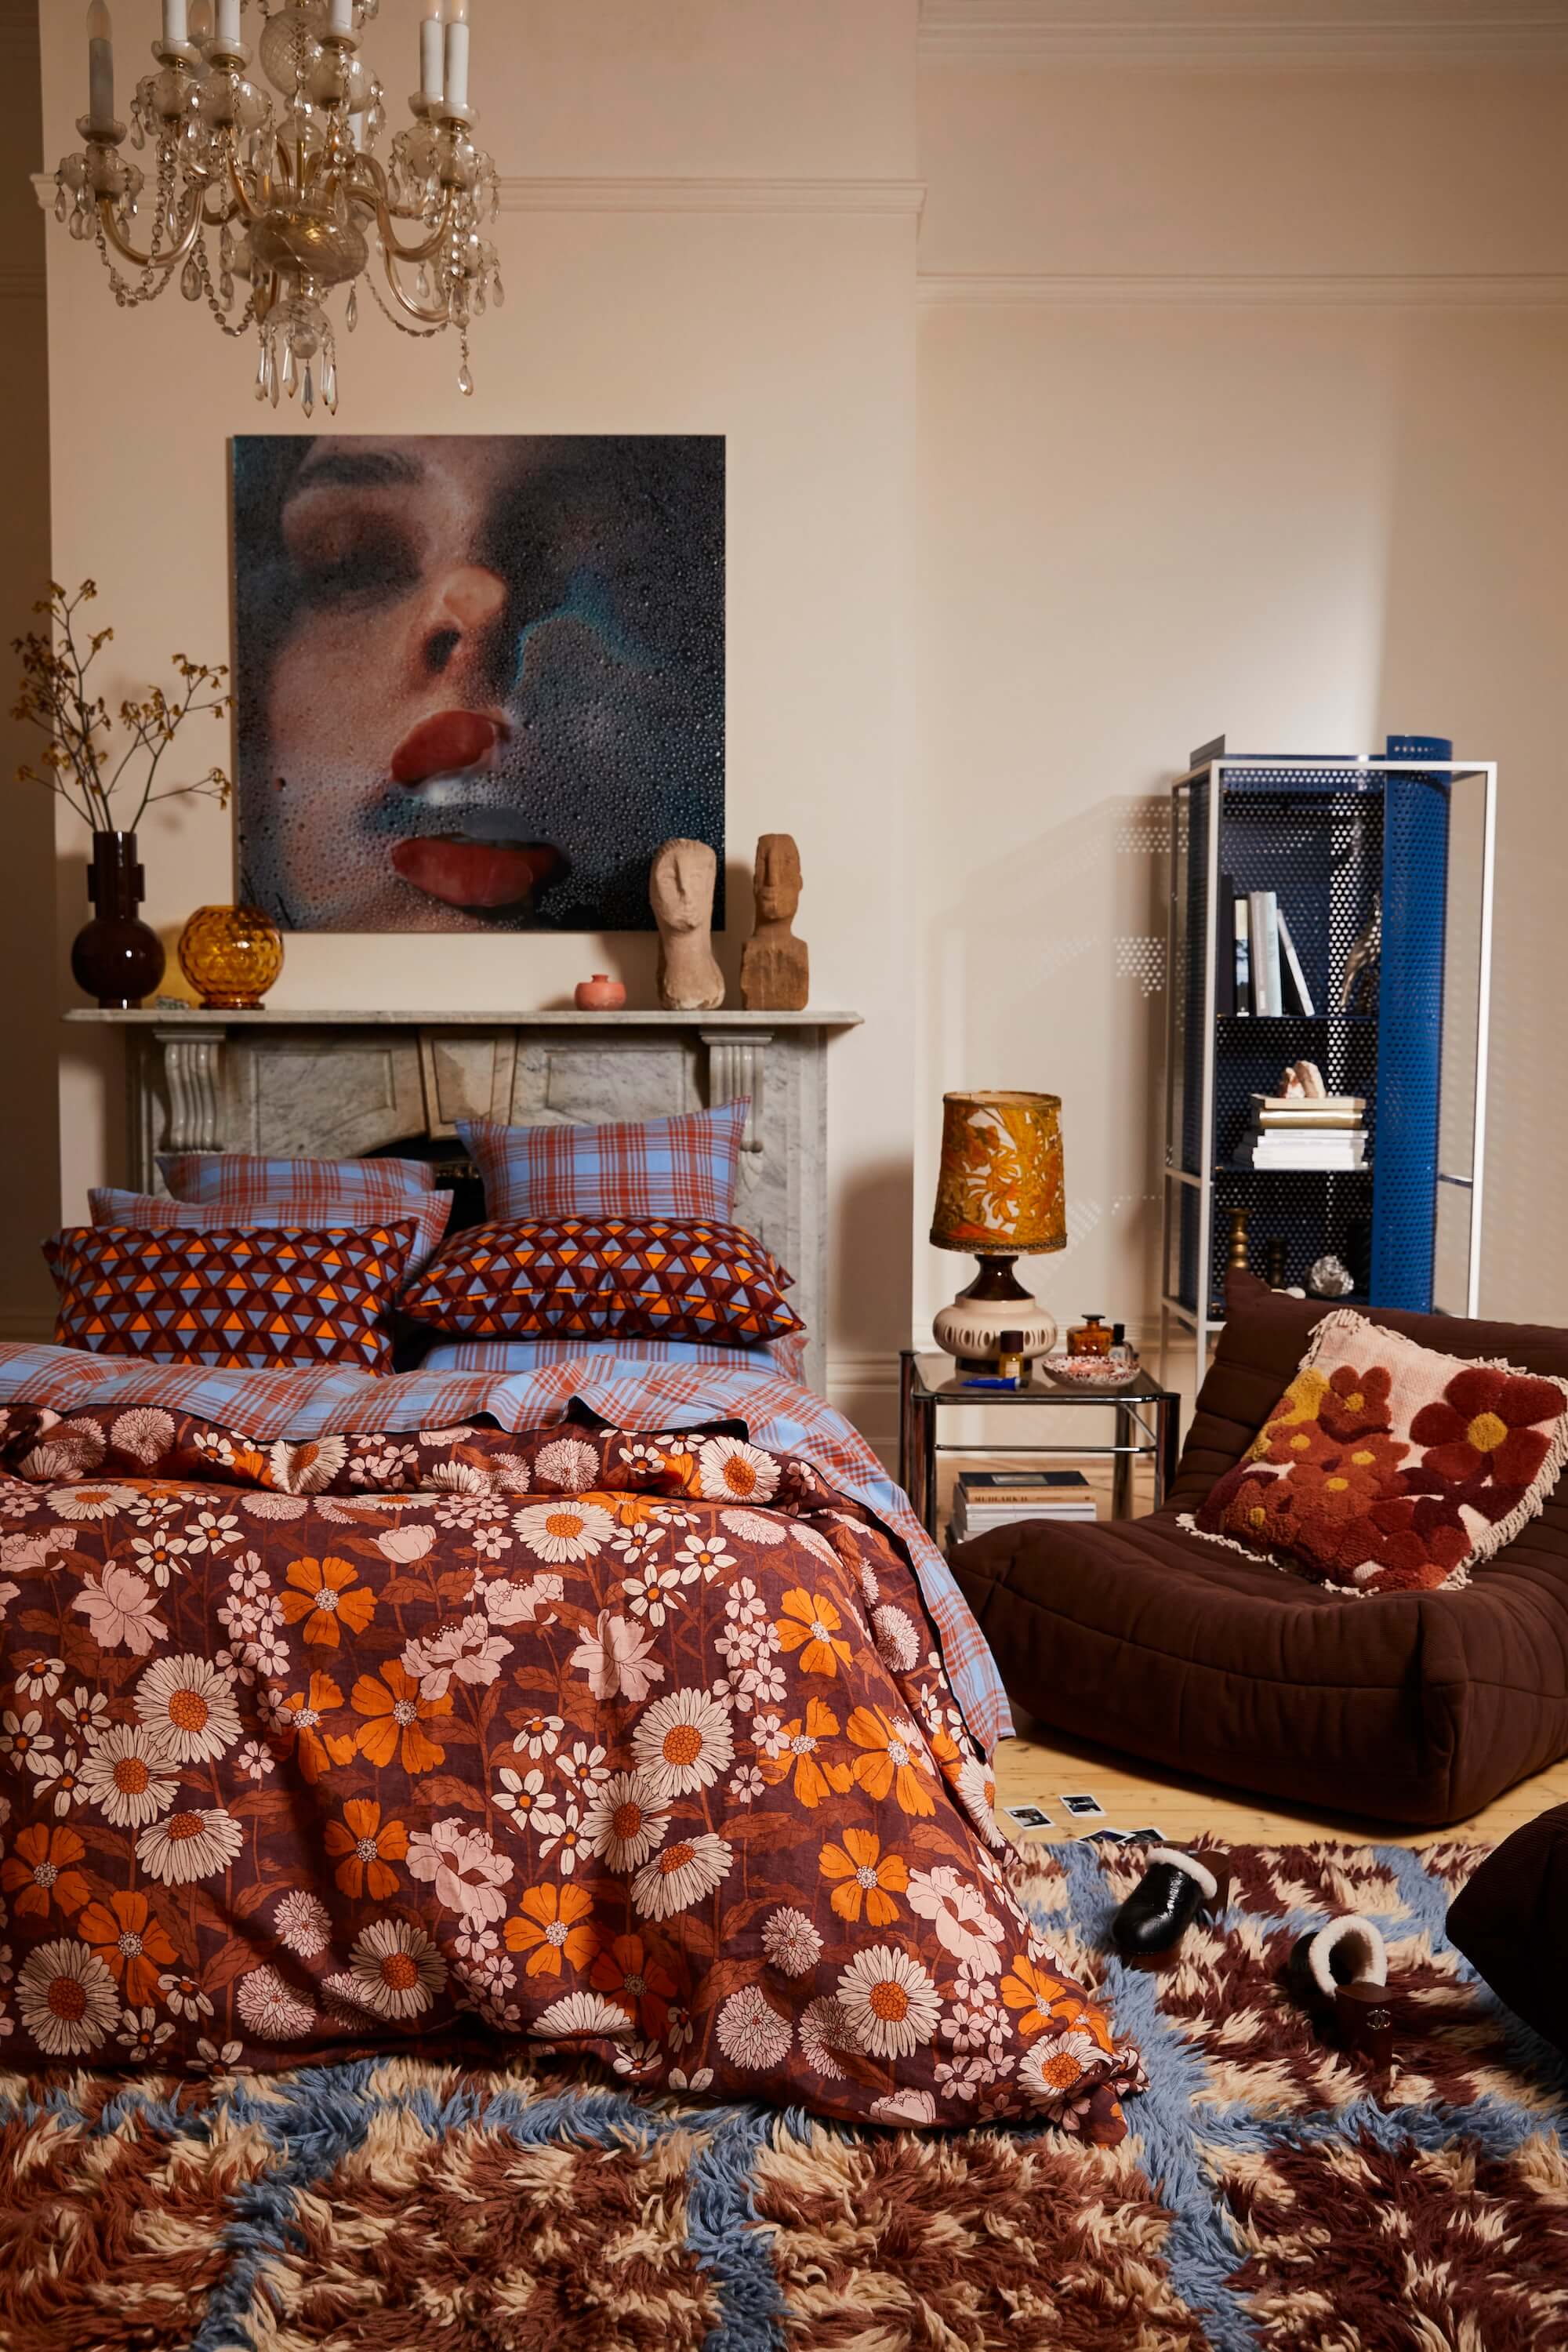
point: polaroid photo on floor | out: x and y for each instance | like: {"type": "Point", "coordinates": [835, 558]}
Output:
{"type": "Point", "coordinates": [1030, 1819]}
{"type": "Point", "coordinates": [1082, 1808]}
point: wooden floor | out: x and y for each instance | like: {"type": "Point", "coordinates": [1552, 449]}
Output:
{"type": "Point", "coordinates": [1040, 1768]}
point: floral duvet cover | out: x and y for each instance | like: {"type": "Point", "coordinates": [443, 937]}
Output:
{"type": "Point", "coordinates": [636, 1744]}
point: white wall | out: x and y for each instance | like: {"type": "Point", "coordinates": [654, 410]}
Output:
{"type": "Point", "coordinates": [1234, 416]}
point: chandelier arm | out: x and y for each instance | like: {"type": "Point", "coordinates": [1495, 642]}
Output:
{"type": "Point", "coordinates": [243, 204]}
{"type": "Point", "coordinates": [165, 261]}
{"type": "Point", "coordinates": [376, 195]}
{"type": "Point", "coordinates": [415, 310]}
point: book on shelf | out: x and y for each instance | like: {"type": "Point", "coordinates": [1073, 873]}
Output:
{"type": "Point", "coordinates": [1323, 1150]}
{"type": "Point", "coordinates": [1263, 924]}
{"type": "Point", "coordinates": [1308, 1106]}
{"type": "Point", "coordinates": [1297, 1115]}
{"type": "Point", "coordinates": [1241, 928]}
{"type": "Point", "coordinates": [1225, 1001]}
{"type": "Point", "coordinates": [1291, 974]}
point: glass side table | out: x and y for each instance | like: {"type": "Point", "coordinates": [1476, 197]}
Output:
{"type": "Point", "coordinates": [1147, 1425]}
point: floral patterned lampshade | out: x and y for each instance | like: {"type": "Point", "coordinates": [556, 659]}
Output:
{"type": "Point", "coordinates": [1000, 1185]}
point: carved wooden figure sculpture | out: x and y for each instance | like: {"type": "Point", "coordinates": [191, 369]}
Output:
{"type": "Point", "coordinates": [775, 969]}
{"type": "Point", "coordinates": [680, 890]}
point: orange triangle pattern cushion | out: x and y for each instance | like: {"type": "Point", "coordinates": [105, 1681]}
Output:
{"type": "Point", "coordinates": [597, 1277]}
{"type": "Point", "coordinates": [1389, 1467]}
{"type": "Point", "coordinates": [232, 1297]}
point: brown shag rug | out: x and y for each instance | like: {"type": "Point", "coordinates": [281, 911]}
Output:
{"type": "Point", "coordinates": [1273, 2198]}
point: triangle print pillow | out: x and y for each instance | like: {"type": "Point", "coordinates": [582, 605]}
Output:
{"type": "Point", "coordinates": [1388, 1467]}
{"type": "Point", "coordinates": [232, 1297]}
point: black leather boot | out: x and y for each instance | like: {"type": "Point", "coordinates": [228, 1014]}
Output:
{"type": "Point", "coordinates": [1148, 1929]}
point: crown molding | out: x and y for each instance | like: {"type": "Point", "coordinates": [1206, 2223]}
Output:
{"type": "Point", "coordinates": [903, 199]}
{"type": "Point", "coordinates": [1049, 33]}
{"type": "Point", "coordinates": [1429, 290]}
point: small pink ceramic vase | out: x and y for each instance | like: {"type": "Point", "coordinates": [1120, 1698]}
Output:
{"type": "Point", "coordinates": [600, 994]}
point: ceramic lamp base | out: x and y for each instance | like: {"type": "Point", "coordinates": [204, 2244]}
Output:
{"type": "Point", "coordinates": [995, 1302]}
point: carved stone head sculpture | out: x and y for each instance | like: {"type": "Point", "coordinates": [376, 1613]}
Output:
{"type": "Point", "coordinates": [682, 884]}
{"type": "Point", "coordinates": [776, 974]}
{"type": "Point", "coordinates": [776, 879]}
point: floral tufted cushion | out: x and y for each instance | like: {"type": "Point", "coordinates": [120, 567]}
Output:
{"type": "Point", "coordinates": [1388, 1467]}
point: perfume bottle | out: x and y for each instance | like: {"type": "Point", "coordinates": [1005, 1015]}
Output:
{"type": "Point", "coordinates": [1012, 1364]}
{"type": "Point", "coordinates": [1090, 1337]}
{"type": "Point", "coordinates": [1121, 1355]}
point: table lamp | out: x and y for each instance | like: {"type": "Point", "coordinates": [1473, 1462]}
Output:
{"type": "Point", "coordinates": [998, 1195]}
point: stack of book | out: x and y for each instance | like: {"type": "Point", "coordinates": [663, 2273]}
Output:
{"type": "Point", "coordinates": [1304, 1131]}
{"type": "Point", "coordinates": [1000, 1498]}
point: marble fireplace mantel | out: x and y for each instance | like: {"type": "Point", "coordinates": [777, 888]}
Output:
{"type": "Point", "coordinates": [345, 1085]}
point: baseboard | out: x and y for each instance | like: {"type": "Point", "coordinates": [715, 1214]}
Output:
{"type": "Point", "coordinates": [865, 1390]}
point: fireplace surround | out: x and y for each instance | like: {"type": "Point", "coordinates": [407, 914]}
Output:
{"type": "Point", "coordinates": [341, 1086]}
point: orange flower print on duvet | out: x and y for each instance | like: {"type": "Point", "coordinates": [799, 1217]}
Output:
{"type": "Point", "coordinates": [861, 1873]}
{"type": "Point", "coordinates": [42, 1869]}
{"type": "Point", "coordinates": [800, 1742]}
{"type": "Point", "coordinates": [811, 1624]}
{"type": "Point", "coordinates": [890, 1761]}
{"type": "Point", "coordinates": [322, 1596]}
{"type": "Point", "coordinates": [301, 1712]}
{"type": "Point", "coordinates": [555, 1927]}
{"type": "Point", "coordinates": [130, 1942]}
{"type": "Point", "coordinates": [397, 1715]}
{"type": "Point", "coordinates": [368, 1847]}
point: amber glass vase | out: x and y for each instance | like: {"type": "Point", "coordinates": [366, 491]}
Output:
{"type": "Point", "coordinates": [116, 957]}
{"type": "Point", "coordinates": [231, 956]}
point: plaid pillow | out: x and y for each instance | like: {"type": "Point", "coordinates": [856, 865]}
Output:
{"type": "Point", "coordinates": [229, 1297]}
{"type": "Point", "coordinates": [1389, 1467]}
{"type": "Point", "coordinates": [681, 1167]}
{"type": "Point", "coordinates": [152, 1213]}
{"type": "Point", "coordinates": [577, 1276]}
{"type": "Point", "coordinates": [234, 1180]}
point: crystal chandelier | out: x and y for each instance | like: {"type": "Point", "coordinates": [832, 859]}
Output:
{"type": "Point", "coordinates": [289, 192]}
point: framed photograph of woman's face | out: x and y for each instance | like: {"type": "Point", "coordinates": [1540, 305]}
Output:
{"type": "Point", "coordinates": [480, 678]}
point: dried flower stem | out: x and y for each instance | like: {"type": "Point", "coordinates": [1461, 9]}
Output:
{"type": "Point", "coordinates": [55, 696]}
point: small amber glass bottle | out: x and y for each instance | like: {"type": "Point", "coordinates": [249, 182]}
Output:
{"type": "Point", "coordinates": [1090, 1337]}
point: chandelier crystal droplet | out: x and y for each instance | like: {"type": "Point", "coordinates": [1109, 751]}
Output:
{"type": "Point", "coordinates": [287, 182]}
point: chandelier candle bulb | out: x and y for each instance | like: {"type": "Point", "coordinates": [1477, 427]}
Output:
{"type": "Point", "coordinates": [229, 23]}
{"type": "Point", "coordinates": [176, 24]}
{"type": "Point", "coordinates": [343, 17]}
{"type": "Point", "coordinates": [457, 63]}
{"type": "Point", "coordinates": [432, 83]}
{"type": "Point", "coordinates": [99, 67]}
{"type": "Point", "coordinates": [201, 21]}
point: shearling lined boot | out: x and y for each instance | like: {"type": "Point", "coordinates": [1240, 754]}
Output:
{"type": "Point", "coordinates": [1340, 1974]}
{"type": "Point", "coordinates": [1148, 1929]}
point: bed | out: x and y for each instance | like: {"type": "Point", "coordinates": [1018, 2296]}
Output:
{"type": "Point", "coordinates": [608, 1704]}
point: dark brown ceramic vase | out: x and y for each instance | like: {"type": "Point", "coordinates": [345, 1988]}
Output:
{"type": "Point", "coordinates": [116, 958]}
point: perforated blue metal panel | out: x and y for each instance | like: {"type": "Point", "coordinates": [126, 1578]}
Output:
{"type": "Point", "coordinates": [1410, 1020]}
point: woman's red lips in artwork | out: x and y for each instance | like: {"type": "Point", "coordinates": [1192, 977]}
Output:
{"type": "Point", "coordinates": [459, 868]}
{"type": "Point", "coordinates": [449, 739]}
{"type": "Point", "coordinates": [464, 873]}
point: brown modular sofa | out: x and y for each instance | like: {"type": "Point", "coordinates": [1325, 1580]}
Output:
{"type": "Point", "coordinates": [1416, 1707]}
